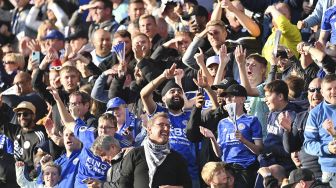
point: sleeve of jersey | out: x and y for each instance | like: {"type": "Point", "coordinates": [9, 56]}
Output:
{"type": "Point", "coordinates": [84, 134]}
{"type": "Point", "coordinates": [288, 30]}
{"type": "Point", "coordinates": [157, 109]}
{"type": "Point", "coordinates": [325, 23]}
{"type": "Point", "coordinates": [256, 129]}
{"type": "Point", "coordinates": [220, 137]}
{"type": "Point", "coordinates": [312, 143]}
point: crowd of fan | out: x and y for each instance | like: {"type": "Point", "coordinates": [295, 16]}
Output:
{"type": "Point", "coordinates": [171, 93]}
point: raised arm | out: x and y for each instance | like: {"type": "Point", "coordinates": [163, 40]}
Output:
{"type": "Point", "coordinates": [243, 19]}
{"type": "Point", "coordinates": [223, 59]}
{"type": "Point", "coordinates": [66, 117]}
{"type": "Point", "coordinates": [147, 92]}
{"type": "Point", "coordinates": [199, 57]}
{"type": "Point", "coordinates": [240, 55]}
{"type": "Point", "coordinates": [203, 83]}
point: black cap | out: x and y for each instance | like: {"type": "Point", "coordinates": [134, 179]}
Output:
{"type": "Point", "coordinates": [80, 33]}
{"type": "Point", "coordinates": [236, 90]}
{"type": "Point", "coordinates": [169, 85]}
{"type": "Point", "coordinates": [299, 174]}
{"type": "Point", "coordinates": [224, 84]}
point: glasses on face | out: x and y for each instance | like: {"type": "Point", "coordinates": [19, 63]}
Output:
{"type": "Point", "coordinates": [9, 62]}
{"type": "Point", "coordinates": [55, 68]}
{"type": "Point", "coordinates": [313, 90]}
{"type": "Point", "coordinates": [24, 114]}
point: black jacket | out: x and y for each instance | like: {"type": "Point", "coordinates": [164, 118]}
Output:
{"type": "Point", "coordinates": [209, 120]}
{"type": "Point", "coordinates": [134, 171]}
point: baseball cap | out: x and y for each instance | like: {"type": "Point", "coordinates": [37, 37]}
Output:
{"type": "Point", "coordinates": [212, 60]}
{"type": "Point", "coordinates": [236, 90]}
{"type": "Point", "coordinates": [25, 105]}
{"type": "Point", "coordinates": [224, 84]}
{"type": "Point", "coordinates": [299, 174]}
{"type": "Point", "coordinates": [114, 103]}
{"type": "Point", "coordinates": [54, 34]}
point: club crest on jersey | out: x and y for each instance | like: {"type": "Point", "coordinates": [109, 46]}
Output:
{"type": "Point", "coordinates": [26, 144]}
{"type": "Point", "coordinates": [241, 126]}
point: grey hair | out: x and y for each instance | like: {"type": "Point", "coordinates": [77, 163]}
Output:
{"type": "Point", "coordinates": [104, 143]}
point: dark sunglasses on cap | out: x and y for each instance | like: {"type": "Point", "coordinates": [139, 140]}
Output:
{"type": "Point", "coordinates": [24, 114]}
{"type": "Point", "coordinates": [312, 90]}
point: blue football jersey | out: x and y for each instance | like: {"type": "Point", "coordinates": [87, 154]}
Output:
{"type": "Point", "coordinates": [233, 150]}
{"type": "Point", "coordinates": [90, 166]}
{"type": "Point", "coordinates": [69, 169]}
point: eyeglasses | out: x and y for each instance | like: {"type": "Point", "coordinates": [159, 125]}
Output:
{"type": "Point", "coordinates": [55, 68]}
{"type": "Point", "coordinates": [313, 90]}
{"type": "Point", "coordinates": [9, 62]}
{"type": "Point", "coordinates": [24, 114]}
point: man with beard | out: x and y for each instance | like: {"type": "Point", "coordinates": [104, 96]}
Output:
{"type": "Point", "coordinates": [172, 96]}
{"type": "Point", "coordinates": [25, 135]}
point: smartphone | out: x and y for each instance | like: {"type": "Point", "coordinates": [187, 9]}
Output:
{"type": "Point", "coordinates": [201, 90]}
{"type": "Point", "coordinates": [36, 56]}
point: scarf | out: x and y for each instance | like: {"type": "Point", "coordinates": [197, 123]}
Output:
{"type": "Point", "coordinates": [155, 155]}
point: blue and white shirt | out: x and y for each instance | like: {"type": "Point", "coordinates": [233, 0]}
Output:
{"type": "Point", "coordinates": [328, 23]}
{"type": "Point", "coordinates": [233, 150]}
{"type": "Point", "coordinates": [90, 166]}
{"type": "Point", "coordinates": [69, 167]}
{"type": "Point", "coordinates": [6, 144]}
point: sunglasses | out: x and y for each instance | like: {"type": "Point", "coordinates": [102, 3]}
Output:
{"type": "Point", "coordinates": [24, 114]}
{"type": "Point", "coordinates": [55, 68]}
{"type": "Point", "coordinates": [9, 62]}
{"type": "Point", "coordinates": [312, 90]}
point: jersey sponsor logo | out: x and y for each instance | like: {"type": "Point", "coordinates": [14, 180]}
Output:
{"type": "Point", "coordinates": [96, 166]}
{"type": "Point", "coordinates": [230, 137]}
{"type": "Point", "coordinates": [273, 129]}
{"type": "Point", "coordinates": [18, 150]}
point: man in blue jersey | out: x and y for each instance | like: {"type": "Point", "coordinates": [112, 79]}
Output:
{"type": "Point", "coordinates": [172, 96]}
{"type": "Point", "coordinates": [320, 131]}
{"type": "Point", "coordinates": [97, 153]}
{"type": "Point", "coordinates": [239, 138]}
{"type": "Point", "coordinates": [69, 161]}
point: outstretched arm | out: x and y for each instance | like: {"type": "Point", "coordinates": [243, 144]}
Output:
{"type": "Point", "coordinates": [243, 19]}
{"type": "Point", "coordinates": [66, 118]}
{"type": "Point", "coordinates": [147, 91]}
